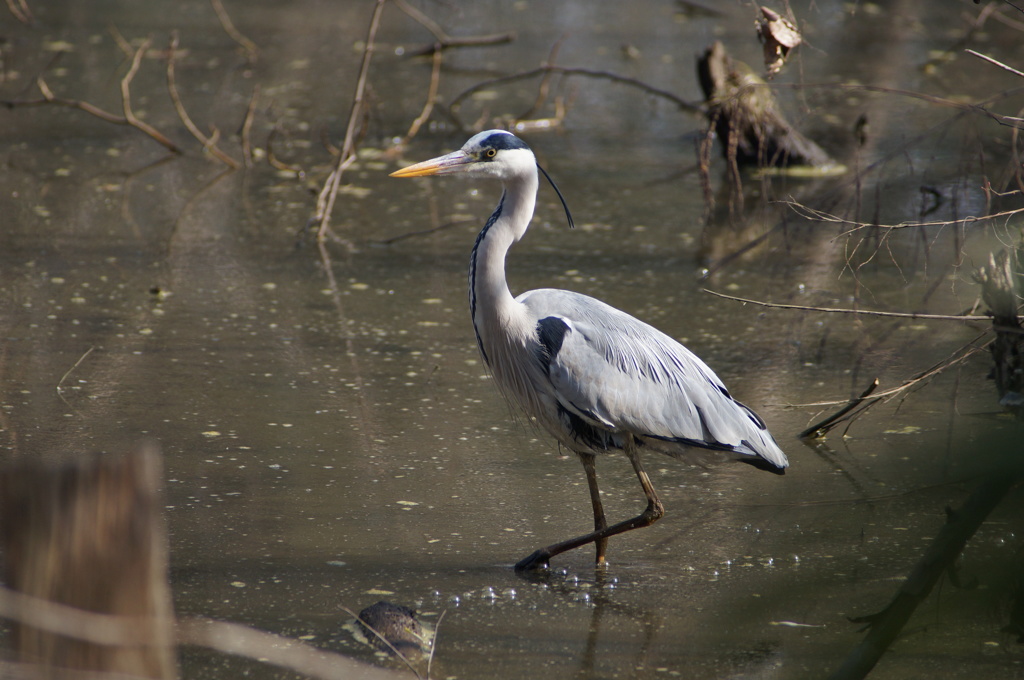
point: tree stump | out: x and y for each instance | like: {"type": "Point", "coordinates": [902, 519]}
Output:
{"type": "Point", "coordinates": [742, 111]}
{"type": "Point", "coordinates": [89, 534]}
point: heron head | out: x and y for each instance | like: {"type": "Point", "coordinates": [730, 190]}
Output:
{"type": "Point", "coordinates": [494, 153]}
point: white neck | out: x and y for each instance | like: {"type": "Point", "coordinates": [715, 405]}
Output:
{"type": "Point", "coordinates": [496, 314]}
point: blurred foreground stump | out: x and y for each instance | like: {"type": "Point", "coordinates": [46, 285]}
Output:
{"type": "Point", "coordinates": [89, 534]}
{"type": "Point", "coordinates": [999, 290]}
{"type": "Point", "coordinates": [741, 109]}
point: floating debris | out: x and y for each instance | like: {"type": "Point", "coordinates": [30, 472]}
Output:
{"type": "Point", "coordinates": [394, 627]}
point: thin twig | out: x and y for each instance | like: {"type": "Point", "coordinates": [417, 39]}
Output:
{"type": "Point", "coordinates": [64, 377]}
{"type": "Point", "coordinates": [960, 355]}
{"type": "Point", "coordinates": [209, 143]}
{"type": "Point", "coordinates": [421, 232]}
{"type": "Point", "coordinates": [586, 72]}
{"type": "Point", "coordinates": [433, 641]}
{"type": "Point", "coordinates": [976, 107]}
{"type": "Point", "coordinates": [121, 41]}
{"type": "Point", "coordinates": [808, 212]}
{"type": "Point", "coordinates": [250, 113]}
{"type": "Point", "coordinates": [325, 202]}
{"type": "Point", "coordinates": [442, 40]}
{"type": "Point", "coordinates": [963, 352]}
{"type": "Point", "coordinates": [545, 81]}
{"type": "Point", "coordinates": [251, 51]}
{"type": "Point", "coordinates": [277, 163]}
{"type": "Point", "coordinates": [840, 310]}
{"type": "Point", "coordinates": [997, 63]}
{"type": "Point", "coordinates": [126, 94]}
{"type": "Point", "coordinates": [20, 10]}
{"type": "Point", "coordinates": [50, 98]}
{"type": "Point", "coordinates": [428, 106]}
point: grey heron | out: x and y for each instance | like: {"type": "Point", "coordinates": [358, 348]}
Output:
{"type": "Point", "coordinates": [596, 378]}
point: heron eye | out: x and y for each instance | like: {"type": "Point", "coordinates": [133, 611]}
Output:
{"type": "Point", "coordinates": [490, 153]}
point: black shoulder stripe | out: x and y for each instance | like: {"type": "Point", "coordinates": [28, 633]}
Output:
{"type": "Point", "coordinates": [551, 333]}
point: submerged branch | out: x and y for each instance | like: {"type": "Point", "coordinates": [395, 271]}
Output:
{"type": "Point", "coordinates": [852, 411]}
{"type": "Point", "coordinates": [128, 118]}
{"type": "Point", "coordinates": [822, 427]}
{"type": "Point", "coordinates": [126, 95]}
{"type": "Point", "coordinates": [209, 143]}
{"type": "Point", "coordinates": [946, 547]}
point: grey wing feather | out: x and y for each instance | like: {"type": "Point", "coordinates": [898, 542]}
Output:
{"type": "Point", "coordinates": [619, 373]}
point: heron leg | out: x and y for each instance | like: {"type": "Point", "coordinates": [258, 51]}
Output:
{"type": "Point", "coordinates": [651, 514]}
{"type": "Point", "coordinates": [600, 523]}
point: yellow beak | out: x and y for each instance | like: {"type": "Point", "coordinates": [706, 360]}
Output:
{"type": "Point", "coordinates": [442, 165]}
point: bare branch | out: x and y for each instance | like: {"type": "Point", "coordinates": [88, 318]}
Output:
{"type": "Point", "coordinates": [586, 72]}
{"type": "Point", "coordinates": [442, 40]}
{"type": "Point", "coordinates": [20, 10]}
{"type": "Point", "coordinates": [247, 126]}
{"type": "Point", "coordinates": [251, 51]}
{"type": "Point", "coordinates": [865, 312]}
{"type": "Point", "coordinates": [325, 202]}
{"type": "Point", "coordinates": [808, 212]}
{"type": "Point", "coordinates": [277, 163]}
{"type": "Point", "coordinates": [121, 41]}
{"type": "Point", "coordinates": [209, 143]}
{"type": "Point", "coordinates": [864, 402]}
{"type": "Point", "coordinates": [545, 81]}
{"type": "Point", "coordinates": [428, 106]}
{"type": "Point", "coordinates": [997, 63]}
{"type": "Point", "coordinates": [126, 95]}
{"type": "Point", "coordinates": [822, 427]}
{"type": "Point", "coordinates": [50, 99]}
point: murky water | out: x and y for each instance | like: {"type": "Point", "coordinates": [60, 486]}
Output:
{"type": "Point", "coordinates": [330, 436]}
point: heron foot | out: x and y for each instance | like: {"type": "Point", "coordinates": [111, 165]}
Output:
{"type": "Point", "coordinates": [538, 560]}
